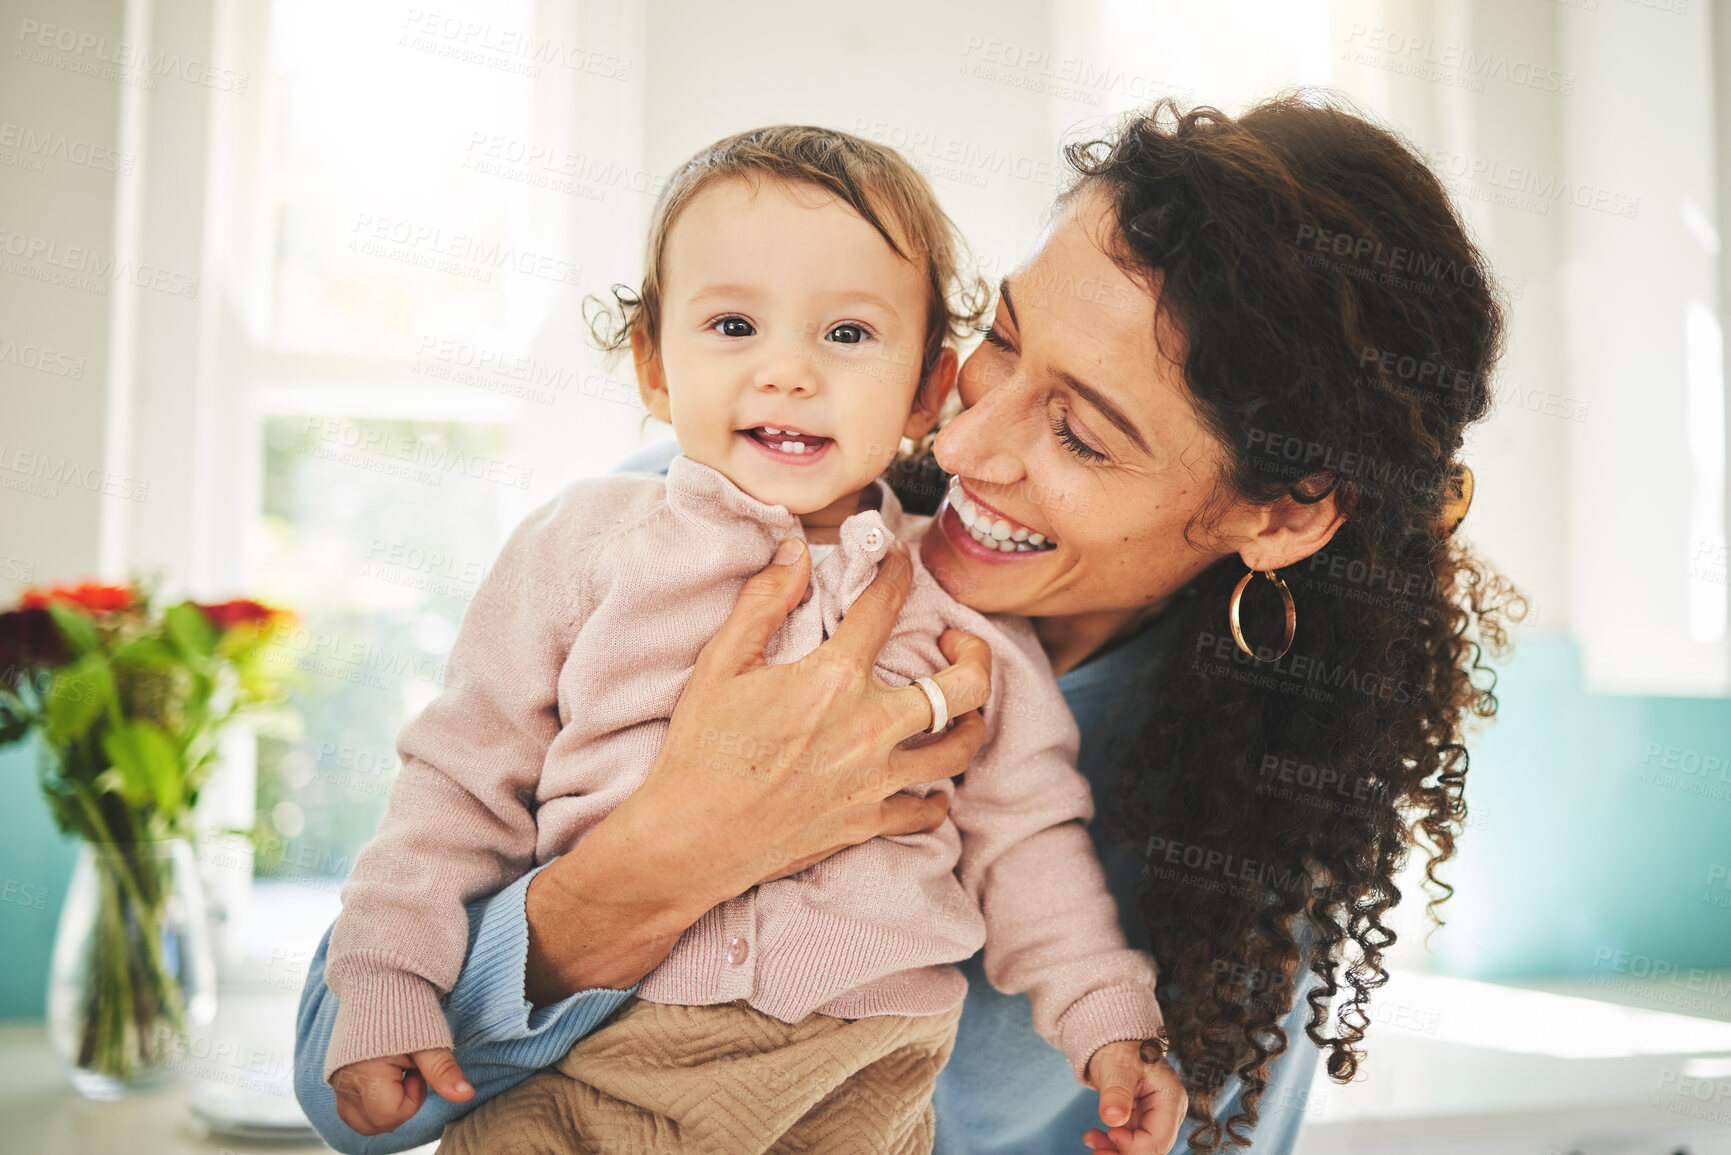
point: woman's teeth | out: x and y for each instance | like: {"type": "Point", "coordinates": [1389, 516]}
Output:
{"type": "Point", "coordinates": [994, 532]}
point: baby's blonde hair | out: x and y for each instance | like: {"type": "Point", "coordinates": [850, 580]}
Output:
{"type": "Point", "coordinates": [874, 181]}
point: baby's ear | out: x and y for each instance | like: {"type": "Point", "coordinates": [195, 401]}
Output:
{"type": "Point", "coordinates": [933, 392]}
{"type": "Point", "coordinates": [651, 378]}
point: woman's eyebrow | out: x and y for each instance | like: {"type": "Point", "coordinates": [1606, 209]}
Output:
{"type": "Point", "coordinates": [1083, 390]}
{"type": "Point", "coordinates": [1107, 409]}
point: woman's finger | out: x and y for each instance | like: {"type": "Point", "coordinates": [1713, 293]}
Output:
{"type": "Point", "coordinates": [897, 814]}
{"type": "Point", "coordinates": [763, 604]}
{"type": "Point", "coordinates": [866, 626]}
{"type": "Point", "coordinates": [966, 684]}
{"type": "Point", "coordinates": [967, 680]}
{"type": "Point", "coordinates": [945, 758]}
{"type": "Point", "coordinates": [911, 814]}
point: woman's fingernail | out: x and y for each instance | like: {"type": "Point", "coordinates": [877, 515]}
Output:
{"type": "Point", "coordinates": [463, 1088]}
{"type": "Point", "coordinates": [787, 552]}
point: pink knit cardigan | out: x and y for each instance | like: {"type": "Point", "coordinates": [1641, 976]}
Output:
{"type": "Point", "coordinates": [557, 694]}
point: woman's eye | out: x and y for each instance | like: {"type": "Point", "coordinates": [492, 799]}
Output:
{"type": "Point", "coordinates": [733, 327]}
{"type": "Point", "coordinates": [995, 339]}
{"type": "Point", "coordinates": [847, 334]}
{"type": "Point", "coordinates": [1074, 443]}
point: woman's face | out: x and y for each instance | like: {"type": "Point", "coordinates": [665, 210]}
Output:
{"type": "Point", "coordinates": [1079, 431]}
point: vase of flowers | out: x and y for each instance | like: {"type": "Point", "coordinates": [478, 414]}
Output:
{"type": "Point", "coordinates": [127, 702]}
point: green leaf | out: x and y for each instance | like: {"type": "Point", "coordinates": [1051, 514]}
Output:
{"type": "Point", "coordinates": [77, 696]}
{"type": "Point", "coordinates": [190, 631]}
{"type": "Point", "coordinates": [148, 763]}
{"type": "Point", "coordinates": [78, 630]}
{"type": "Point", "coordinates": [147, 653]}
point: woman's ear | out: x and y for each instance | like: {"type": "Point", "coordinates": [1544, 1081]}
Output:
{"type": "Point", "coordinates": [1289, 531]}
{"type": "Point", "coordinates": [651, 379]}
{"type": "Point", "coordinates": [933, 392]}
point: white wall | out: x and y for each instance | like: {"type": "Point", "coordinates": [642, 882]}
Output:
{"type": "Point", "coordinates": [1599, 520]}
{"type": "Point", "coordinates": [54, 427]}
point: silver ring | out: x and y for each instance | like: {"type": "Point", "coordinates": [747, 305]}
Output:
{"type": "Point", "coordinates": [940, 708]}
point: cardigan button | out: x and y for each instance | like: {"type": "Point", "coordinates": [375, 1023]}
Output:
{"type": "Point", "coordinates": [737, 949]}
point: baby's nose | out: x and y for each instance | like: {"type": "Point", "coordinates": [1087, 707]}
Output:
{"type": "Point", "coordinates": [787, 372]}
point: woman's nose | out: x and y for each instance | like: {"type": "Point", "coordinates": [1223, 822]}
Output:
{"type": "Point", "coordinates": [980, 442]}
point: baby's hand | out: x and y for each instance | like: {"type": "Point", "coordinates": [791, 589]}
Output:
{"type": "Point", "coordinates": [379, 1095]}
{"type": "Point", "coordinates": [1142, 1104]}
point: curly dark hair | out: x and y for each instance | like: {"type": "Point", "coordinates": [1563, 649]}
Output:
{"type": "Point", "coordinates": [1339, 332]}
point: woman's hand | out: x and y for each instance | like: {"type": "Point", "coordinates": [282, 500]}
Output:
{"type": "Point", "coordinates": [1142, 1104]}
{"type": "Point", "coordinates": [764, 770]}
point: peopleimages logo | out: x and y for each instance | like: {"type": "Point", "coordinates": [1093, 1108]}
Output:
{"type": "Point", "coordinates": [430, 456]}
{"type": "Point", "coordinates": [1395, 258]}
{"type": "Point", "coordinates": [1458, 64]}
{"type": "Point", "coordinates": [84, 269]}
{"type": "Point", "coordinates": [44, 145]}
{"type": "Point", "coordinates": [96, 55]}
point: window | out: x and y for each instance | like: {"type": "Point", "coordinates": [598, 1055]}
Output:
{"type": "Point", "coordinates": [417, 374]}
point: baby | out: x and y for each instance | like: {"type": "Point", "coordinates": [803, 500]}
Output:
{"type": "Point", "coordinates": [794, 322]}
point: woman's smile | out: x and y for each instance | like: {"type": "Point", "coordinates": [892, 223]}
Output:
{"type": "Point", "coordinates": [976, 527]}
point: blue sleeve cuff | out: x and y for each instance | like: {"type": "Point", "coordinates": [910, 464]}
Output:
{"type": "Point", "coordinates": [490, 1006]}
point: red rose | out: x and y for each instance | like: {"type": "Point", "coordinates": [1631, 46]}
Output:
{"type": "Point", "coordinates": [227, 615]}
{"type": "Point", "coordinates": [91, 596]}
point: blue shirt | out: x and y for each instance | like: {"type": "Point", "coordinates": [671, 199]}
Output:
{"type": "Point", "coordinates": [1005, 1090]}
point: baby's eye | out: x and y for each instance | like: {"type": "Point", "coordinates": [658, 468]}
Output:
{"type": "Point", "coordinates": [847, 334]}
{"type": "Point", "coordinates": [733, 327]}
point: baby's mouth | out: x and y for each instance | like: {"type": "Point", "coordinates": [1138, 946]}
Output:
{"type": "Point", "coordinates": [789, 441]}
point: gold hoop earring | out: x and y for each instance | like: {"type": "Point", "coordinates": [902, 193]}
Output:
{"type": "Point", "coordinates": [1286, 599]}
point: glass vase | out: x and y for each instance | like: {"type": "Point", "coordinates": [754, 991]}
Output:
{"type": "Point", "coordinates": [133, 967]}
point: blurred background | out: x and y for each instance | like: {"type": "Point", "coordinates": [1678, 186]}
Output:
{"type": "Point", "coordinates": [291, 307]}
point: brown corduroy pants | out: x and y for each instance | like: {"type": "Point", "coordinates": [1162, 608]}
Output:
{"type": "Point", "coordinates": [724, 1080]}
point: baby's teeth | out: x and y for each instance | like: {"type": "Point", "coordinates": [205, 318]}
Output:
{"type": "Point", "coordinates": [1021, 534]}
{"type": "Point", "coordinates": [792, 447]}
{"type": "Point", "coordinates": [772, 432]}
{"type": "Point", "coordinates": [1000, 529]}
{"type": "Point", "coordinates": [1036, 538]}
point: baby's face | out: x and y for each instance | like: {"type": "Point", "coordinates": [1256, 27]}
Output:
{"type": "Point", "coordinates": [791, 337]}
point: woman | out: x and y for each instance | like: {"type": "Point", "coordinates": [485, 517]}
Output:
{"type": "Point", "coordinates": [1242, 347]}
